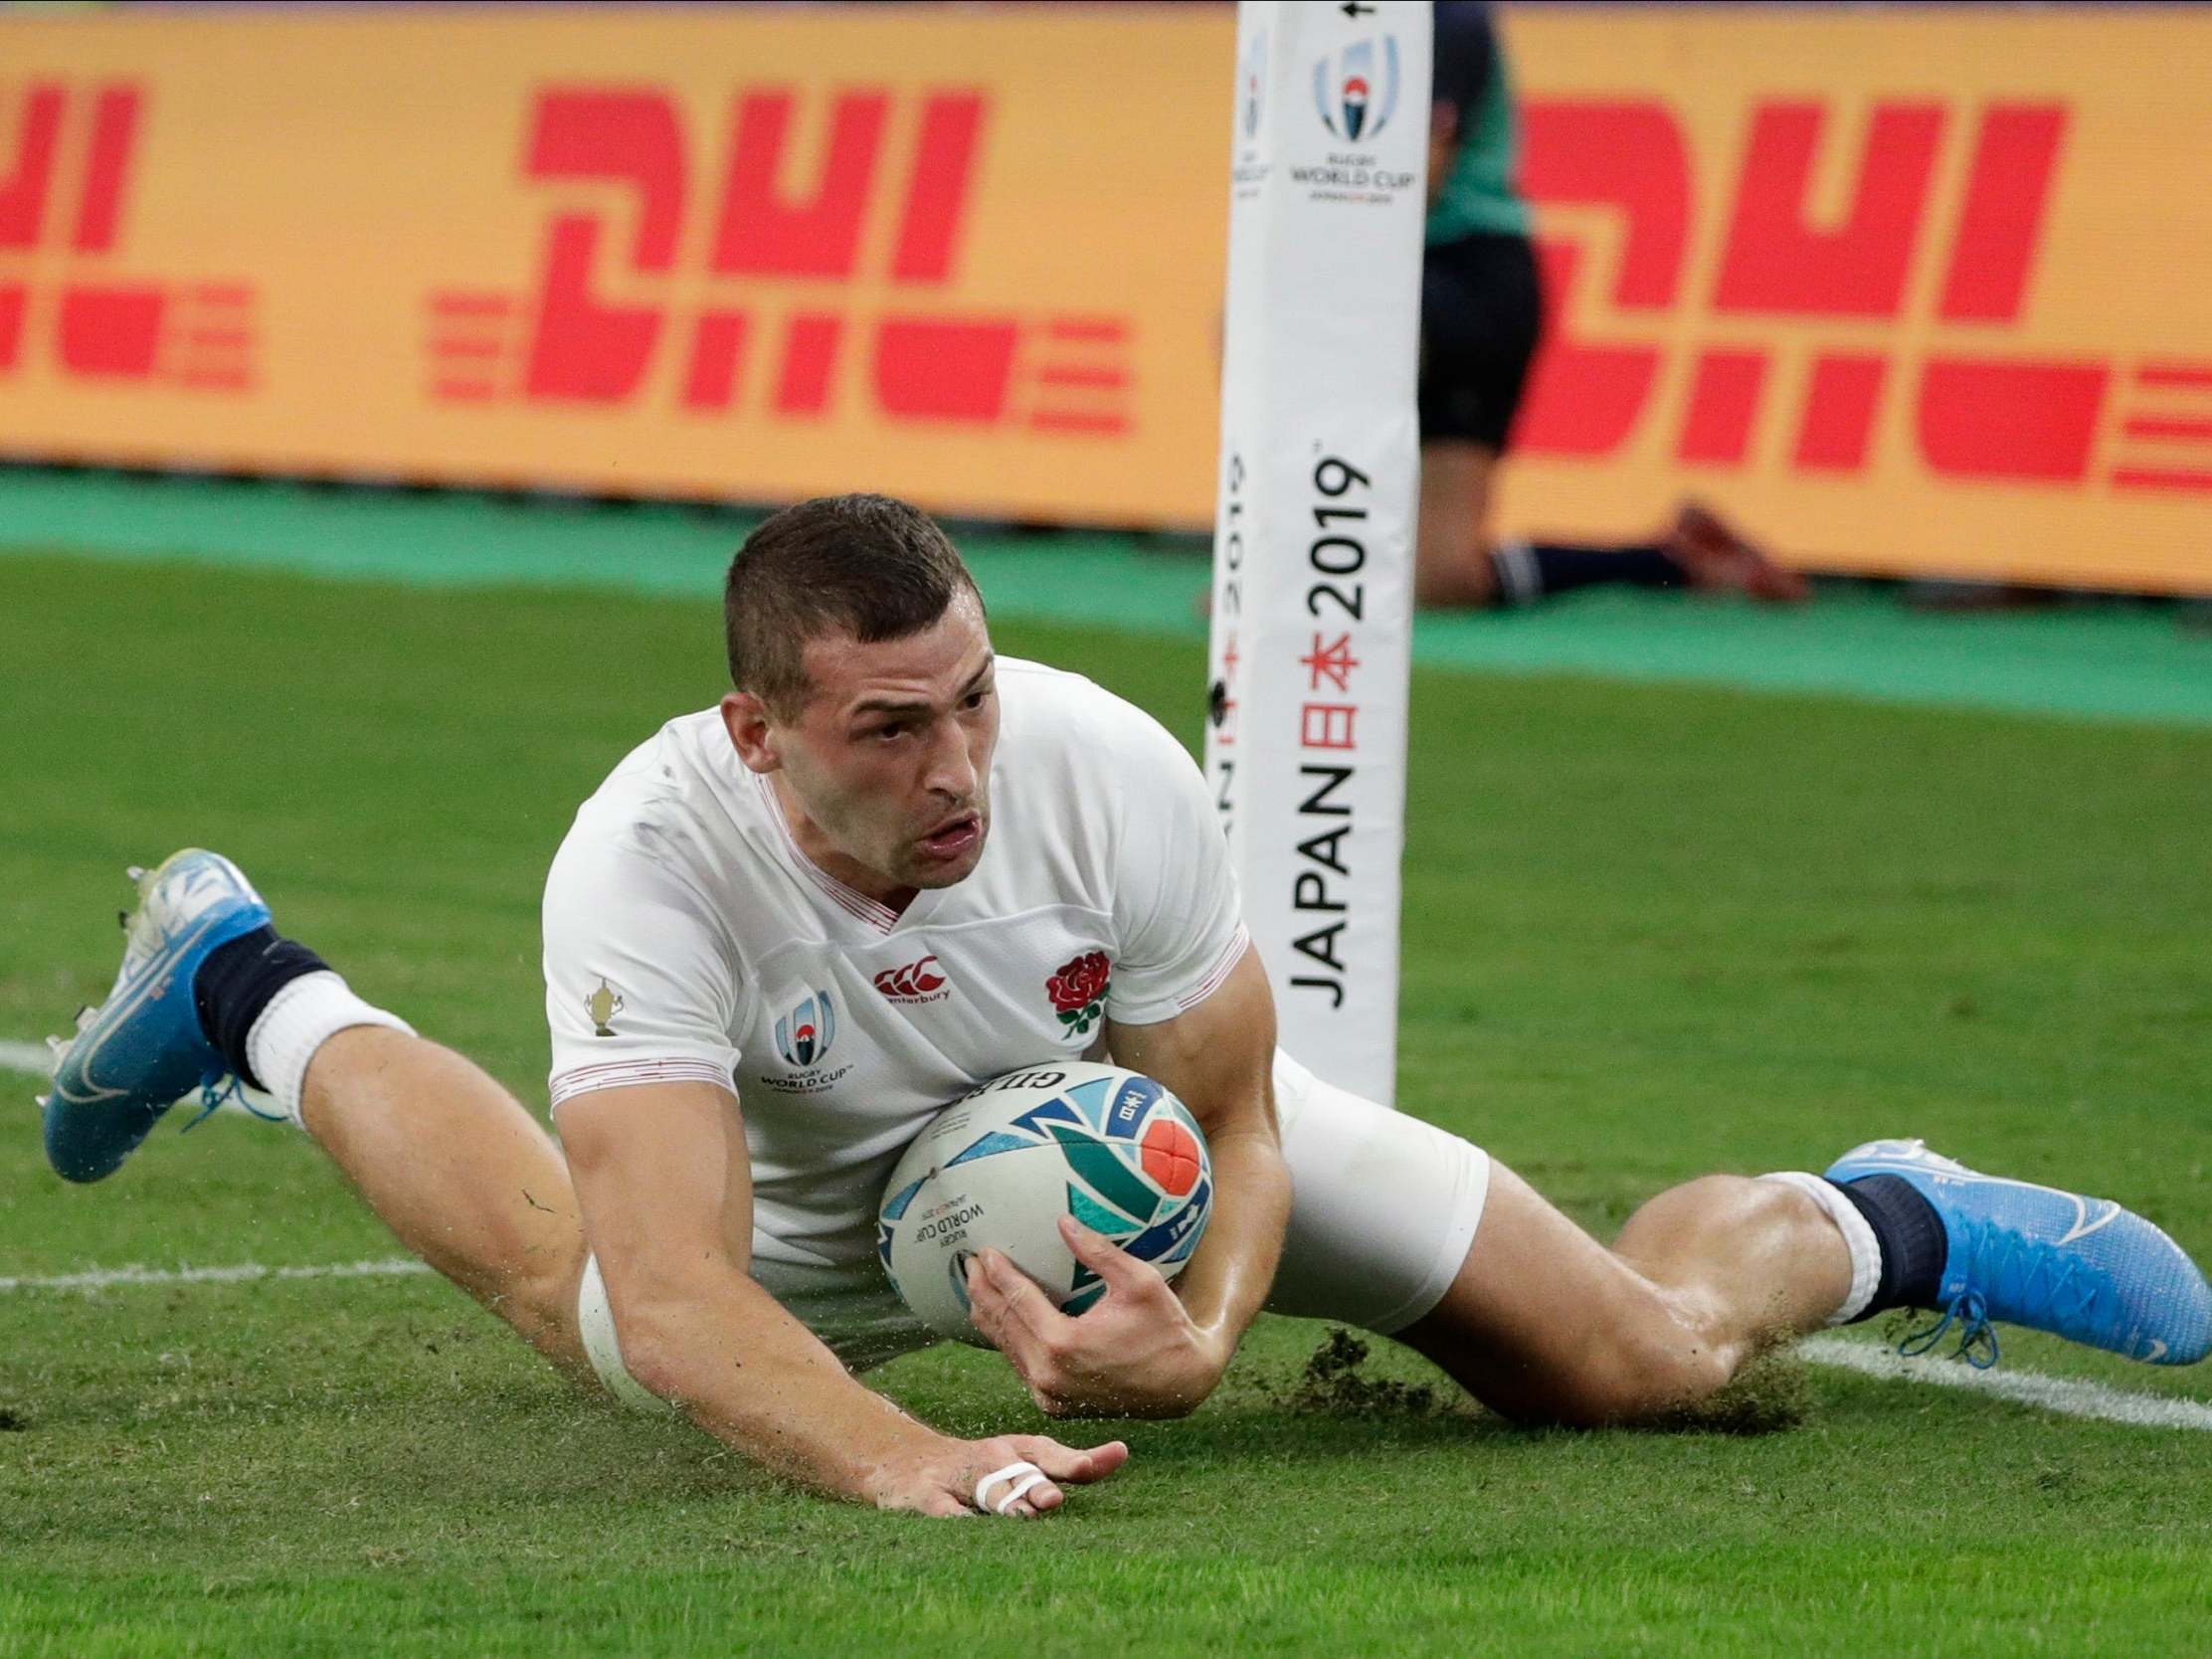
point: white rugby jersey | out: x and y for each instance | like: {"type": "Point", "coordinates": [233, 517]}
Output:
{"type": "Point", "coordinates": [687, 937]}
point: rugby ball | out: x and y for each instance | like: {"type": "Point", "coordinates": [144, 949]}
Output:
{"type": "Point", "coordinates": [1003, 1164]}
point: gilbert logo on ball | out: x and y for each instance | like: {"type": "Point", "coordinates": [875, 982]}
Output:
{"type": "Point", "coordinates": [1003, 1164]}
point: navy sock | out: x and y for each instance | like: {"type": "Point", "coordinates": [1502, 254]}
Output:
{"type": "Point", "coordinates": [1528, 571]}
{"type": "Point", "coordinates": [237, 980]}
{"type": "Point", "coordinates": [1911, 1235]}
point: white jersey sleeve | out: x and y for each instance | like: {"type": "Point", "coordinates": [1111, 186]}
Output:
{"type": "Point", "coordinates": [641, 983]}
{"type": "Point", "coordinates": [1176, 905]}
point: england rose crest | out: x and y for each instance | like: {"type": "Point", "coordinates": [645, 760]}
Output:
{"type": "Point", "coordinates": [1078, 991]}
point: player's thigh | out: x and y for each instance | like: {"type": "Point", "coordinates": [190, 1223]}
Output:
{"type": "Point", "coordinates": [1543, 1323]}
{"type": "Point", "coordinates": [1383, 1206]}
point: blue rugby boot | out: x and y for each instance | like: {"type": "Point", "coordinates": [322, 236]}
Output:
{"type": "Point", "coordinates": [2087, 1270]}
{"type": "Point", "coordinates": [142, 1050]}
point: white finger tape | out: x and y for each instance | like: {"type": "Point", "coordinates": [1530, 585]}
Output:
{"type": "Point", "coordinates": [1025, 1476]}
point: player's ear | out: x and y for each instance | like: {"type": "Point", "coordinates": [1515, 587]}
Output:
{"type": "Point", "coordinates": [745, 719]}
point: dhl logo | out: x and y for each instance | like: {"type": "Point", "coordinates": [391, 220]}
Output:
{"type": "Point", "coordinates": [1975, 413]}
{"type": "Point", "coordinates": [724, 298]}
{"type": "Point", "coordinates": [65, 288]}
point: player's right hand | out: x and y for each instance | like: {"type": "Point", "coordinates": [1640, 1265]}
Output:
{"type": "Point", "coordinates": [942, 1481]}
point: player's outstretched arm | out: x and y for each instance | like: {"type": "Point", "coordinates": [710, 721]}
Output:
{"type": "Point", "coordinates": [1148, 1348]}
{"type": "Point", "coordinates": [665, 1188]}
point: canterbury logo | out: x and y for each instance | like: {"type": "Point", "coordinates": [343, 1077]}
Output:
{"type": "Point", "coordinates": [914, 983]}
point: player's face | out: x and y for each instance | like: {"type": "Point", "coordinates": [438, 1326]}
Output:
{"type": "Point", "coordinates": [885, 770]}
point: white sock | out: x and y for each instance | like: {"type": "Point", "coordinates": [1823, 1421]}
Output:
{"type": "Point", "coordinates": [299, 1020]}
{"type": "Point", "coordinates": [1857, 1238]}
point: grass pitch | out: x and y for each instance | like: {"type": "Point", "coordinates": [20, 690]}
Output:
{"type": "Point", "coordinates": [1650, 932]}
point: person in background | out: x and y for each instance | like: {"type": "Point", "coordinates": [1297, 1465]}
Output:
{"type": "Point", "coordinates": [1481, 319]}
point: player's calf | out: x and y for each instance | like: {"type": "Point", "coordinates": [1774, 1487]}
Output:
{"type": "Point", "coordinates": [210, 996]}
{"type": "Point", "coordinates": [1636, 1374]}
{"type": "Point", "coordinates": [1543, 1324]}
{"type": "Point", "coordinates": [460, 1172]}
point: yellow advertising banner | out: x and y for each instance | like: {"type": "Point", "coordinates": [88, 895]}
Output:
{"type": "Point", "coordinates": [1910, 290]}
{"type": "Point", "coordinates": [753, 254]}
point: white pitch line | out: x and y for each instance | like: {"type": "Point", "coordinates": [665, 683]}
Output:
{"type": "Point", "coordinates": [2065, 1396]}
{"type": "Point", "coordinates": [108, 1278]}
{"type": "Point", "coordinates": [30, 1059]}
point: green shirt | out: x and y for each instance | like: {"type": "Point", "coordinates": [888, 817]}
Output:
{"type": "Point", "coordinates": [1479, 193]}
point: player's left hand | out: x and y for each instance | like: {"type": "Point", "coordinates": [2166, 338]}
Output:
{"type": "Point", "coordinates": [1136, 1353]}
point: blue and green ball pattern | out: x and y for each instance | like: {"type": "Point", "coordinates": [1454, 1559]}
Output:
{"type": "Point", "coordinates": [1133, 1163]}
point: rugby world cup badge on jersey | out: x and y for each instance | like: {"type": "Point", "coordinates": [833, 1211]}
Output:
{"type": "Point", "coordinates": [803, 1036]}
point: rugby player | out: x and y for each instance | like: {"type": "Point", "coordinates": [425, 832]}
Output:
{"type": "Point", "coordinates": [1482, 317]}
{"type": "Point", "coordinates": [788, 928]}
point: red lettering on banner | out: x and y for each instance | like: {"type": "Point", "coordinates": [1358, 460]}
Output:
{"type": "Point", "coordinates": [1225, 713]}
{"type": "Point", "coordinates": [717, 348]}
{"type": "Point", "coordinates": [605, 324]}
{"type": "Point", "coordinates": [472, 337]}
{"type": "Point", "coordinates": [584, 350]}
{"type": "Point", "coordinates": [936, 200]}
{"type": "Point", "coordinates": [2195, 481]}
{"type": "Point", "coordinates": [14, 302]}
{"type": "Point", "coordinates": [23, 192]}
{"type": "Point", "coordinates": [628, 138]}
{"type": "Point", "coordinates": [1839, 411]}
{"type": "Point", "coordinates": [764, 235]}
{"type": "Point", "coordinates": [1722, 401]}
{"type": "Point", "coordinates": [1623, 155]}
{"type": "Point", "coordinates": [1080, 363]}
{"type": "Point", "coordinates": [111, 331]}
{"type": "Point", "coordinates": [2027, 422]}
{"type": "Point", "coordinates": [1584, 398]}
{"type": "Point", "coordinates": [1326, 725]}
{"type": "Point", "coordinates": [1331, 662]}
{"type": "Point", "coordinates": [2000, 227]}
{"type": "Point", "coordinates": [1777, 263]}
{"type": "Point", "coordinates": [810, 354]}
{"type": "Point", "coordinates": [945, 369]}
{"type": "Point", "coordinates": [2161, 446]}
{"type": "Point", "coordinates": [1990, 416]}
{"type": "Point", "coordinates": [106, 326]}
{"type": "Point", "coordinates": [2166, 375]}
{"type": "Point", "coordinates": [107, 169]}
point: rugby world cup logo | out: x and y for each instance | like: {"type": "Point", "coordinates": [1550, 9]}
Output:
{"type": "Point", "coordinates": [803, 1036]}
{"type": "Point", "coordinates": [1356, 89]}
{"type": "Point", "coordinates": [1251, 76]}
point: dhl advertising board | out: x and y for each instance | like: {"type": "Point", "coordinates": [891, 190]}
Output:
{"type": "Point", "coordinates": [756, 254]}
{"type": "Point", "coordinates": [1918, 288]}
{"type": "Point", "coordinates": [1911, 289]}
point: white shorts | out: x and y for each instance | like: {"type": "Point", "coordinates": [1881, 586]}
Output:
{"type": "Point", "coordinates": [1384, 1208]}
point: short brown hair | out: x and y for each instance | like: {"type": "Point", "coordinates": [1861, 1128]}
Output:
{"type": "Point", "coordinates": [868, 566]}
